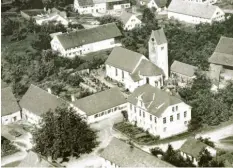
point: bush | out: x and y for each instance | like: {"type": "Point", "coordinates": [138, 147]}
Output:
{"type": "Point", "coordinates": [156, 151]}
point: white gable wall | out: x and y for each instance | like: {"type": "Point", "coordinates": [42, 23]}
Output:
{"type": "Point", "coordinates": [132, 23]}
{"type": "Point", "coordinates": [7, 119]}
{"type": "Point", "coordinates": [219, 15]}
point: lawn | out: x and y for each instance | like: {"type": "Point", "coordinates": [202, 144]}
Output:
{"type": "Point", "coordinates": [136, 134]}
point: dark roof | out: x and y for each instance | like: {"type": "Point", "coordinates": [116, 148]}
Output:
{"type": "Point", "coordinates": [147, 68]}
{"type": "Point", "coordinates": [162, 100]}
{"type": "Point", "coordinates": [39, 101]}
{"type": "Point", "coordinates": [202, 10]}
{"type": "Point", "coordinates": [159, 36]}
{"type": "Point", "coordinates": [193, 147]}
{"type": "Point", "coordinates": [34, 12]}
{"type": "Point", "coordinates": [121, 154]}
{"type": "Point", "coordinates": [101, 101]}
{"type": "Point", "coordinates": [223, 54]}
{"type": "Point", "coordinates": [87, 36]}
{"type": "Point", "coordinates": [124, 59]}
{"type": "Point", "coordinates": [85, 2]}
{"type": "Point", "coordinates": [9, 103]}
{"type": "Point", "coordinates": [183, 68]}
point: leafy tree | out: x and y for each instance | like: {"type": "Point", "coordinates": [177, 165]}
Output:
{"type": "Point", "coordinates": [110, 19]}
{"type": "Point", "coordinates": [42, 42]}
{"type": "Point", "coordinates": [63, 133]}
{"type": "Point", "coordinates": [74, 80]}
{"type": "Point", "coordinates": [205, 158]}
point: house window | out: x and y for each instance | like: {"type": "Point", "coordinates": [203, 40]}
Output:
{"type": "Point", "coordinates": [115, 109]}
{"type": "Point", "coordinates": [176, 108]}
{"type": "Point", "coordinates": [122, 74]}
{"type": "Point", "coordinates": [162, 48]}
{"type": "Point", "coordinates": [164, 129]}
{"type": "Point", "coordinates": [185, 114]}
{"type": "Point", "coordinates": [173, 109]}
{"type": "Point", "coordinates": [130, 106]}
{"type": "Point", "coordinates": [152, 39]}
{"type": "Point", "coordinates": [14, 118]}
{"type": "Point", "coordinates": [143, 114]}
{"type": "Point", "coordinates": [109, 111]}
{"type": "Point", "coordinates": [151, 117]}
{"type": "Point", "coordinates": [135, 109]}
{"type": "Point", "coordinates": [155, 120]}
{"type": "Point", "coordinates": [164, 120]}
{"type": "Point", "coordinates": [140, 113]}
{"type": "Point", "coordinates": [116, 72]}
{"type": "Point", "coordinates": [96, 116]}
{"type": "Point", "coordinates": [171, 118]}
{"type": "Point", "coordinates": [102, 113]}
{"type": "Point", "coordinates": [178, 116]}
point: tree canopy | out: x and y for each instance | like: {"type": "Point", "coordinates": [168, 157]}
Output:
{"type": "Point", "coordinates": [63, 133]}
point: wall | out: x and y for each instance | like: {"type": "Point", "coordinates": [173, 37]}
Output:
{"type": "Point", "coordinates": [10, 118]}
{"type": "Point", "coordinates": [132, 23]}
{"type": "Point", "coordinates": [108, 164]}
{"type": "Point", "coordinates": [30, 116]}
{"type": "Point", "coordinates": [187, 18]}
{"type": "Point", "coordinates": [155, 124]}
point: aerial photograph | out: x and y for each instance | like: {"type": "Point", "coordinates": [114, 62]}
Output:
{"type": "Point", "coordinates": [116, 83]}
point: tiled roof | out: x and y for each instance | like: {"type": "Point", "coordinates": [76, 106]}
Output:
{"type": "Point", "coordinates": [147, 68]}
{"type": "Point", "coordinates": [39, 101]}
{"type": "Point", "coordinates": [159, 36]}
{"type": "Point", "coordinates": [223, 54]}
{"type": "Point", "coordinates": [9, 103]}
{"type": "Point", "coordinates": [121, 154]}
{"type": "Point", "coordinates": [155, 100]}
{"type": "Point", "coordinates": [193, 147]}
{"type": "Point", "coordinates": [87, 36]}
{"type": "Point", "coordinates": [85, 2]}
{"type": "Point", "coordinates": [202, 10]}
{"type": "Point", "coordinates": [183, 68]}
{"type": "Point", "coordinates": [100, 101]}
{"type": "Point", "coordinates": [125, 16]}
{"type": "Point", "coordinates": [124, 59]}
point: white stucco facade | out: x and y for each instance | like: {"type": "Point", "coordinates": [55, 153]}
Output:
{"type": "Point", "coordinates": [45, 19]}
{"type": "Point", "coordinates": [30, 116]}
{"type": "Point", "coordinates": [84, 49]}
{"type": "Point", "coordinates": [174, 120]}
{"type": "Point", "coordinates": [133, 22]}
{"type": "Point", "coordinates": [7, 119]}
{"type": "Point", "coordinates": [218, 15]}
{"type": "Point", "coordinates": [102, 114]}
{"type": "Point", "coordinates": [125, 78]}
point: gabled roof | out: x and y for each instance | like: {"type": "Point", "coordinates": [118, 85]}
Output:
{"type": "Point", "coordinates": [124, 59]}
{"type": "Point", "coordinates": [156, 100]}
{"type": "Point", "coordinates": [9, 103]}
{"type": "Point", "coordinates": [87, 36]}
{"type": "Point", "coordinates": [85, 2]}
{"type": "Point", "coordinates": [183, 68]}
{"type": "Point", "coordinates": [39, 101]}
{"type": "Point", "coordinates": [121, 154]}
{"type": "Point", "coordinates": [193, 147]}
{"type": "Point", "coordinates": [223, 54]}
{"type": "Point", "coordinates": [159, 36]}
{"type": "Point", "coordinates": [100, 101]}
{"type": "Point", "coordinates": [33, 160]}
{"type": "Point", "coordinates": [202, 10]}
{"type": "Point", "coordinates": [147, 68]}
{"type": "Point", "coordinates": [125, 16]}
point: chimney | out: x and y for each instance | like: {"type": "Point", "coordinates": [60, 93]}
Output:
{"type": "Point", "coordinates": [49, 90]}
{"type": "Point", "coordinates": [72, 98]}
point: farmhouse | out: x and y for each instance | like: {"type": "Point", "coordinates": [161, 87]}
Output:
{"type": "Point", "coordinates": [37, 101]}
{"type": "Point", "coordinates": [86, 41]}
{"type": "Point", "coordinates": [10, 110]}
{"type": "Point", "coordinates": [129, 20]}
{"type": "Point", "coordinates": [182, 72]}
{"type": "Point", "coordinates": [192, 148]}
{"type": "Point", "coordinates": [221, 61]}
{"type": "Point", "coordinates": [157, 4]}
{"type": "Point", "coordinates": [121, 154]}
{"type": "Point", "coordinates": [194, 13]}
{"type": "Point", "coordinates": [132, 69]}
{"type": "Point", "coordinates": [101, 105]}
{"type": "Point", "coordinates": [158, 112]}
{"type": "Point", "coordinates": [99, 6]}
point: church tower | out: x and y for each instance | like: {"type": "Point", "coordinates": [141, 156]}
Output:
{"type": "Point", "coordinates": [158, 50]}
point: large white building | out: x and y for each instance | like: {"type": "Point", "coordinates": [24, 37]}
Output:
{"type": "Point", "coordinates": [86, 41]}
{"type": "Point", "coordinates": [10, 110]}
{"type": "Point", "coordinates": [121, 154]}
{"type": "Point", "coordinates": [101, 105]}
{"type": "Point", "coordinates": [129, 20]}
{"type": "Point", "coordinates": [99, 6]}
{"type": "Point", "coordinates": [158, 112]}
{"type": "Point", "coordinates": [194, 13]}
{"type": "Point", "coordinates": [132, 69]}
